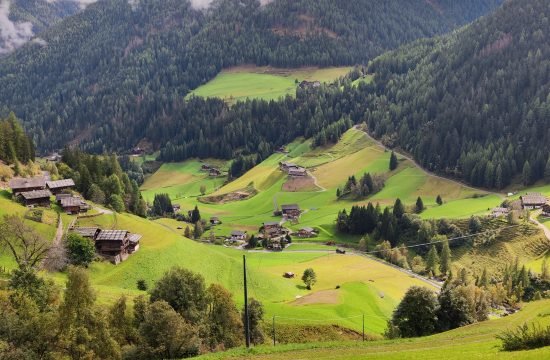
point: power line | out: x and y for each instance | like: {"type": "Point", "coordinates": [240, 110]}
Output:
{"type": "Point", "coordinates": [441, 241]}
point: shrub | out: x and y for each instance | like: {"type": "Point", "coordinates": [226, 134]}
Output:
{"type": "Point", "coordinates": [142, 285]}
{"type": "Point", "coordinates": [525, 337]}
{"type": "Point", "coordinates": [81, 250]}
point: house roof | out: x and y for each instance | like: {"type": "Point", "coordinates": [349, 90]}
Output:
{"type": "Point", "coordinates": [72, 201]}
{"type": "Point", "coordinates": [214, 218]}
{"type": "Point", "coordinates": [134, 238]}
{"type": "Point", "coordinates": [297, 170]}
{"type": "Point", "coordinates": [112, 235]}
{"type": "Point", "coordinates": [86, 231]}
{"type": "Point", "coordinates": [27, 183]}
{"type": "Point", "coordinates": [307, 229]}
{"type": "Point", "coordinates": [58, 197]}
{"type": "Point", "coordinates": [290, 207]}
{"type": "Point", "coordinates": [533, 199]}
{"type": "Point", "coordinates": [60, 183]}
{"type": "Point", "coordinates": [36, 194]}
{"type": "Point", "coordinates": [238, 233]}
{"type": "Point", "coordinates": [288, 164]}
{"type": "Point", "coordinates": [271, 223]}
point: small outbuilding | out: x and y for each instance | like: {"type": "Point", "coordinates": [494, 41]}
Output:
{"type": "Point", "coordinates": [59, 186]}
{"type": "Point", "coordinates": [290, 210]}
{"type": "Point", "coordinates": [238, 235]}
{"type": "Point", "coordinates": [500, 212]}
{"type": "Point", "coordinates": [214, 220]}
{"type": "Point", "coordinates": [74, 205]}
{"type": "Point", "coordinates": [36, 198]}
{"type": "Point", "coordinates": [546, 210]}
{"type": "Point", "coordinates": [87, 232]}
{"type": "Point", "coordinates": [306, 232]}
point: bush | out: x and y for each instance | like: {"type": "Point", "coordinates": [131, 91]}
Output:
{"type": "Point", "coordinates": [525, 337]}
{"type": "Point", "coordinates": [81, 251]}
{"type": "Point", "coordinates": [142, 285]}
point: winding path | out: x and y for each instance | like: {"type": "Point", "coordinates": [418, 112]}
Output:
{"type": "Point", "coordinates": [534, 220]}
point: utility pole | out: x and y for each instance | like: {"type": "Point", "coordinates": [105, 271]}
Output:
{"type": "Point", "coordinates": [247, 319]}
{"type": "Point", "coordinates": [273, 330]}
{"type": "Point", "coordinates": [363, 327]}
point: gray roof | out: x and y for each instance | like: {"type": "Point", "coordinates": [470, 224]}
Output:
{"type": "Point", "coordinates": [271, 223]}
{"type": "Point", "coordinates": [238, 233]}
{"type": "Point", "coordinates": [533, 199]}
{"type": "Point", "coordinates": [134, 238]}
{"type": "Point", "coordinates": [290, 207]}
{"type": "Point", "coordinates": [36, 194]}
{"type": "Point", "coordinates": [72, 201]}
{"type": "Point", "coordinates": [112, 235]}
{"type": "Point", "coordinates": [25, 183]}
{"type": "Point", "coordinates": [86, 231]}
{"type": "Point", "coordinates": [307, 229]}
{"type": "Point", "coordinates": [60, 184]}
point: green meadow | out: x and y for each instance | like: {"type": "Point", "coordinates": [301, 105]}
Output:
{"type": "Point", "coordinates": [476, 341]}
{"type": "Point", "coordinates": [266, 83]}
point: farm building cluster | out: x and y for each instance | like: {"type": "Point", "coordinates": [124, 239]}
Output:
{"type": "Point", "coordinates": [38, 190]}
{"type": "Point", "coordinates": [292, 169]}
{"type": "Point", "coordinates": [211, 170]}
{"type": "Point", "coordinates": [113, 245]}
{"type": "Point", "coordinates": [529, 201]}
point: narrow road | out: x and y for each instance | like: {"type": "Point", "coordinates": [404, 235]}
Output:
{"type": "Point", "coordinates": [58, 234]}
{"type": "Point", "coordinates": [316, 182]}
{"type": "Point", "coordinates": [429, 173]}
{"type": "Point", "coordinates": [535, 221]}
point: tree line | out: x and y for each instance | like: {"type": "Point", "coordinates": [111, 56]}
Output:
{"type": "Point", "coordinates": [15, 145]}
{"type": "Point", "coordinates": [111, 72]}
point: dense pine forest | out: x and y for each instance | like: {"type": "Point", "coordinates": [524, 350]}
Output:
{"type": "Point", "coordinates": [475, 103]}
{"type": "Point", "coordinates": [15, 145]}
{"type": "Point", "coordinates": [102, 76]}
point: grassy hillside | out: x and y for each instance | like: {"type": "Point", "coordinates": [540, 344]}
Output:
{"type": "Point", "coordinates": [354, 154]}
{"type": "Point", "coordinates": [366, 286]}
{"type": "Point", "coordinates": [266, 83]}
{"type": "Point", "coordinates": [477, 341]}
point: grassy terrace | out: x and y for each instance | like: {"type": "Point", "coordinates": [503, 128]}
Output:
{"type": "Point", "coordinates": [268, 83]}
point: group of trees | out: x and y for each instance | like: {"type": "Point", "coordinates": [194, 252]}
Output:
{"type": "Point", "coordinates": [59, 103]}
{"type": "Point", "coordinates": [367, 185]}
{"type": "Point", "coordinates": [15, 145]}
{"type": "Point", "coordinates": [180, 317]}
{"type": "Point", "coordinates": [393, 224]}
{"type": "Point", "coordinates": [100, 178]}
{"type": "Point", "coordinates": [162, 206]}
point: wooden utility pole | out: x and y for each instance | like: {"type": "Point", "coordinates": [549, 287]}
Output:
{"type": "Point", "coordinates": [273, 330]}
{"type": "Point", "coordinates": [363, 327]}
{"type": "Point", "coordinates": [246, 316]}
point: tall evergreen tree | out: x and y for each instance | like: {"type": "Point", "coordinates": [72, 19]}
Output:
{"type": "Point", "coordinates": [445, 264]}
{"type": "Point", "coordinates": [393, 161]}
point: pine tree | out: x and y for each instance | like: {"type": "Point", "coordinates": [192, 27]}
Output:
{"type": "Point", "coordinates": [398, 209]}
{"type": "Point", "coordinates": [547, 170]}
{"type": "Point", "coordinates": [393, 161]}
{"type": "Point", "coordinates": [439, 200]}
{"type": "Point", "coordinates": [483, 280]}
{"type": "Point", "coordinates": [445, 265]}
{"type": "Point", "coordinates": [419, 205]}
{"type": "Point", "coordinates": [338, 193]}
{"type": "Point", "coordinates": [527, 174]}
{"type": "Point", "coordinates": [432, 261]}
{"type": "Point", "coordinates": [544, 270]}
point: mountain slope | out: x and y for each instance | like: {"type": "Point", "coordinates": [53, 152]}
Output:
{"type": "Point", "coordinates": [475, 103]}
{"type": "Point", "coordinates": [116, 66]}
{"type": "Point", "coordinates": [20, 20]}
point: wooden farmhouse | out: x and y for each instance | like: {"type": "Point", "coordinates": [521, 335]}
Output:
{"type": "Point", "coordinates": [291, 211]}
{"type": "Point", "coordinates": [74, 205]}
{"type": "Point", "coordinates": [284, 166]}
{"type": "Point", "coordinates": [59, 186]}
{"type": "Point", "coordinates": [20, 185]}
{"type": "Point", "coordinates": [306, 232]}
{"type": "Point", "coordinates": [533, 201]}
{"type": "Point", "coordinates": [238, 235]}
{"type": "Point", "coordinates": [214, 220]}
{"type": "Point", "coordinates": [114, 245]}
{"type": "Point", "coordinates": [213, 172]}
{"type": "Point", "coordinates": [36, 198]}
{"type": "Point", "coordinates": [309, 84]}
{"type": "Point", "coordinates": [500, 212]}
{"type": "Point", "coordinates": [546, 210]}
{"type": "Point", "coordinates": [297, 171]}
{"type": "Point", "coordinates": [272, 227]}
